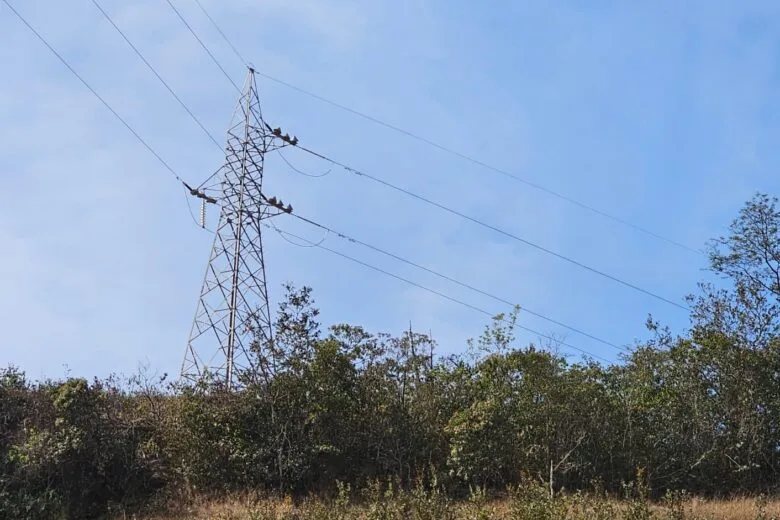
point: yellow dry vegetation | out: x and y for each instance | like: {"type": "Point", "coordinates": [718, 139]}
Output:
{"type": "Point", "coordinates": [578, 508]}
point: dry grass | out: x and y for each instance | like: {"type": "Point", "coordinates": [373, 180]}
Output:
{"type": "Point", "coordinates": [245, 508]}
{"type": "Point", "coordinates": [236, 508]}
{"type": "Point", "coordinates": [734, 509]}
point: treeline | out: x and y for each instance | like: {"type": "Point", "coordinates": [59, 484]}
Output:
{"type": "Point", "coordinates": [696, 411]}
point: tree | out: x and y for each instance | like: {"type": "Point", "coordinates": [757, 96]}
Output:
{"type": "Point", "coordinates": [748, 259]}
{"type": "Point", "coordinates": [751, 253]}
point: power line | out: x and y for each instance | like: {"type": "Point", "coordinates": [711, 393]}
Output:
{"type": "Point", "coordinates": [94, 92]}
{"type": "Point", "coordinates": [453, 280]}
{"type": "Point", "coordinates": [485, 165]}
{"type": "Point", "coordinates": [149, 65]}
{"type": "Point", "coordinates": [435, 292]}
{"type": "Point", "coordinates": [492, 227]}
{"type": "Point", "coordinates": [104, 102]}
{"type": "Point", "coordinates": [344, 236]}
{"type": "Point", "coordinates": [216, 26]}
{"type": "Point", "coordinates": [447, 149]}
{"type": "Point", "coordinates": [189, 206]}
{"type": "Point", "coordinates": [298, 170]}
{"type": "Point", "coordinates": [205, 48]}
{"type": "Point", "coordinates": [441, 206]}
{"type": "Point", "coordinates": [328, 230]}
{"type": "Point", "coordinates": [310, 244]}
{"type": "Point", "coordinates": [162, 161]}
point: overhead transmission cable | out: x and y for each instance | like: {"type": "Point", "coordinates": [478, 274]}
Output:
{"type": "Point", "coordinates": [311, 244]}
{"type": "Point", "coordinates": [311, 222]}
{"type": "Point", "coordinates": [432, 291]}
{"type": "Point", "coordinates": [447, 149]}
{"type": "Point", "coordinates": [151, 68]}
{"type": "Point", "coordinates": [219, 30]}
{"type": "Point", "coordinates": [329, 230]}
{"type": "Point", "coordinates": [348, 238]}
{"type": "Point", "coordinates": [203, 45]}
{"type": "Point", "coordinates": [482, 223]}
{"type": "Point", "coordinates": [443, 207]}
{"type": "Point", "coordinates": [94, 92]}
{"type": "Point", "coordinates": [99, 97]}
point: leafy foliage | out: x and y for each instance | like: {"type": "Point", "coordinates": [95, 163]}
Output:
{"type": "Point", "coordinates": [698, 412]}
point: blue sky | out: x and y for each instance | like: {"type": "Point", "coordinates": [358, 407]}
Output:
{"type": "Point", "coordinates": [665, 115]}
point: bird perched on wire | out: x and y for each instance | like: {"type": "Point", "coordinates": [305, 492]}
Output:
{"type": "Point", "coordinates": [288, 209]}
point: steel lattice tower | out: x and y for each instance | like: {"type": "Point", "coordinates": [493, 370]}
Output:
{"type": "Point", "coordinates": [233, 316]}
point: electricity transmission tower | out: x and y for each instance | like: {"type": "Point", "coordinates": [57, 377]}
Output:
{"type": "Point", "coordinates": [233, 318]}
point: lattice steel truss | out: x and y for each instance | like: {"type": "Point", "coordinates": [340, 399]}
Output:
{"type": "Point", "coordinates": [233, 316]}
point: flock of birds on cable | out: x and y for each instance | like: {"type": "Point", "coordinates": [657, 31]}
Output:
{"type": "Point", "coordinates": [273, 201]}
{"type": "Point", "coordinates": [293, 141]}
{"type": "Point", "coordinates": [286, 137]}
{"type": "Point", "coordinates": [279, 204]}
